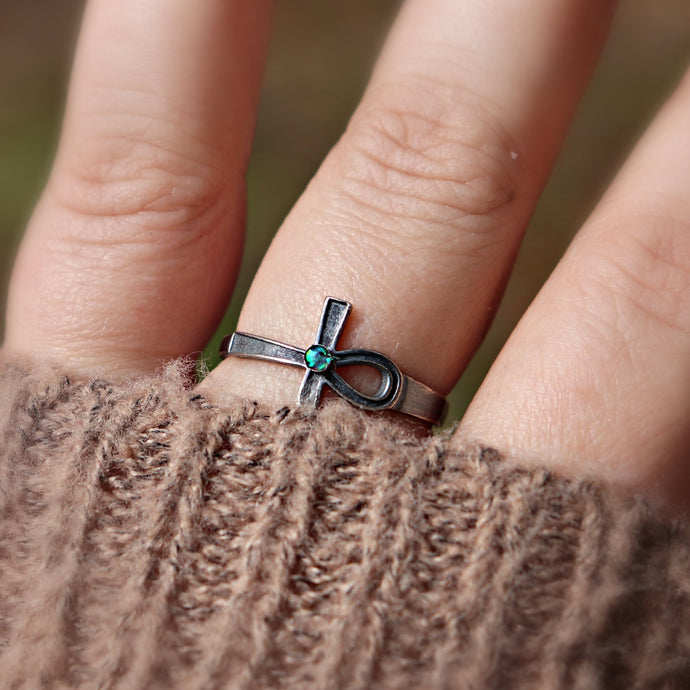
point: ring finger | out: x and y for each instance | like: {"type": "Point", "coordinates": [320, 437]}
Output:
{"type": "Point", "coordinates": [417, 213]}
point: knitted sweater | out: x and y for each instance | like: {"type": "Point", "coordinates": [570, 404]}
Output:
{"type": "Point", "coordinates": [149, 539]}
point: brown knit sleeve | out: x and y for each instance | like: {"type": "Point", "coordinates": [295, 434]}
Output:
{"type": "Point", "coordinates": [151, 540]}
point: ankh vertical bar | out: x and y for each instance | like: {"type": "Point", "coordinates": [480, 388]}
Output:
{"type": "Point", "coordinates": [333, 318]}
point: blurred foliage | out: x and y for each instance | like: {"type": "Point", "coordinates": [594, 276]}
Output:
{"type": "Point", "coordinates": [320, 59]}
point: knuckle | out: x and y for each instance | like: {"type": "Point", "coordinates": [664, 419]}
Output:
{"type": "Point", "coordinates": [645, 271]}
{"type": "Point", "coordinates": [428, 158]}
{"type": "Point", "coordinates": [152, 178]}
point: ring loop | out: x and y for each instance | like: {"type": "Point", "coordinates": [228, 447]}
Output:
{"type": "Point", "coordinates": [321, 361]}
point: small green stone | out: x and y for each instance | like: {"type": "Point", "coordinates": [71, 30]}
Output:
{"type": "Point", "coordinates": [318, 358]}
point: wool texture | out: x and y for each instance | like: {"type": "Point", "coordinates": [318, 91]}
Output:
{"type": "Point", "coordinates": [149, 539]}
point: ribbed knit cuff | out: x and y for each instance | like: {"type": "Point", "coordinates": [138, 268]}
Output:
{"type": "Point", "coordinates": [150, 539]}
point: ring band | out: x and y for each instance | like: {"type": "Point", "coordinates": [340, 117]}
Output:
{"type": "Point", "coordinates": [397, 391]}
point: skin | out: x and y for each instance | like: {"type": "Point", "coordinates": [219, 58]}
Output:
{"type": "Point", "coordinates": [133, 250]}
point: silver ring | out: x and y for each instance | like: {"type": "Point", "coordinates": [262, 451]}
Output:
{"type": "Point", "coordinates": [396, 392]}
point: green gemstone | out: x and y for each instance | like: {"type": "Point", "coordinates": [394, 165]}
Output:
{"type": "Point", "coordinates": [318, 358]}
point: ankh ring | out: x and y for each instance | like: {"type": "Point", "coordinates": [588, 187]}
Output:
{"type": "Point", "coordinates": [322, 360]}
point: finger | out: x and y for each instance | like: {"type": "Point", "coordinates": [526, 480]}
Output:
{"type": "Point", "coordinates": [599, 367]}
{"type": "Point", "coordinates": [133, 250]}
{"type": "Point", "coordinates": [416, 215]}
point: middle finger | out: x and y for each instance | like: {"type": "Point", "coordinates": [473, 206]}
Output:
{"type": "Point", "coordinates": [416, 215]}
{"type": "Point", "coordinates": [133, 249]}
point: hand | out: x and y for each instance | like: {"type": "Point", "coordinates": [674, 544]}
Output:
{"type": "Point", "coordinates": [415, 217]}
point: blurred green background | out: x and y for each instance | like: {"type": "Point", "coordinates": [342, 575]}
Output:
{"type": "Point", "coordinates": [319, 62]}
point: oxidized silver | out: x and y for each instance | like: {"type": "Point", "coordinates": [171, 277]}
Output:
{"type": "Point", "coordinates": [396, 391]}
